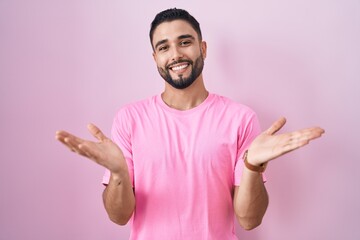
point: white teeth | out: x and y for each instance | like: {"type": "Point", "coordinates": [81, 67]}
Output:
{"type": "Point", "coordinates": [179, 67]}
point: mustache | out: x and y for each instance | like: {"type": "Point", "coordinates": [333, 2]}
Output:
{"type": "Point", "coordinates": [179, 61]}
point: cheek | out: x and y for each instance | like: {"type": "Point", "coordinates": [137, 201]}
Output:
{"type": "Point", "coordinates": [193, 53]}
{"type": "Point", "coordinates": [160, 62]}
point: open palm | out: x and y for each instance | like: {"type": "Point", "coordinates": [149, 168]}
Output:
{"type": "Point", "coordinates": [104, 152]}
{"type": "Point", "coordinates": [268, 146]}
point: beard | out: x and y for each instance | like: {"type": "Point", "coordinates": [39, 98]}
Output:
{"type": "Point", "coordinates": [181, 82]}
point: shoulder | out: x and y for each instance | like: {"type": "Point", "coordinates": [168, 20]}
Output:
{"type": "Point", "coordinates": [233, 116]}
{"type": "Point", "coordinates": [128, 115]}
{"type": "Point", "coordinates": [232, 107]}
{"type": "Point", "coordinates": [135, 108]}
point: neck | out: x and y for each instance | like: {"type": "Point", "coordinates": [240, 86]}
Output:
{"type": "Point", "coordinates": [185, 99]}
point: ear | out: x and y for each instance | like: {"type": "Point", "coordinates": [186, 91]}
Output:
{"type": "Point", "coordinates": [203, 48]}
{"type": "Point", "coordinates": [154, 56]}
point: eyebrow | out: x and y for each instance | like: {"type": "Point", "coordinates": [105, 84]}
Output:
{"type": "Point", "coordinates": [179, 37]}
{"type": "Point", "coordinates": [186, 36]}
{"type": "Point", "coordinates": [160, 42]}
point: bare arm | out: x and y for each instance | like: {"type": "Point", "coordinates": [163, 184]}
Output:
{"type": "Point", "coordinates": [119, 198]}
{"type": "Point", "coordinates": [250, 198]}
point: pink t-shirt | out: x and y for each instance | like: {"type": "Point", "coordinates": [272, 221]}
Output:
{"type": "Point", "coordinates": [184, 165]}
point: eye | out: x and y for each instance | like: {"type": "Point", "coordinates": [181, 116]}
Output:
{"type": "Point", "coordinates": [163, 48]}
{"type": "Point", "coordinates": [185, 43]}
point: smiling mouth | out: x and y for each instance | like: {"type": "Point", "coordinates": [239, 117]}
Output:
{"type": "Point", "coordinates": [178, 68]}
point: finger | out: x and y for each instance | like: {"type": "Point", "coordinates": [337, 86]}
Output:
{"type": "Point", "coordinates": [74, 146]}
{"type": "Point", "coordinates": [62, 140]}
{"type": "Point", "coordinates": [63, 134]}
{"type": "Point", "coordinates": [301, 138]}
{"type": "Point", "coordinates": [307, 138]}
{"type": "Point", "coordinates": [69, 140]}
{"type": "Point", "coordinates": [317, 131]}
{"type": "Point", "coordinates": [294, 145]}
{"type": "Point", "coordinates": [308, 133]}
{"type": "Point", "coordinates": [69, 145]}
{"type": "Point", "coordinates": [91, 152]}
{"type": "Point", "coordinates": [96, 132]}
{"type": "Point", "coordinates": [276, 126]}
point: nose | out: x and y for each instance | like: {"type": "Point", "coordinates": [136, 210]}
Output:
{"type": "Point", "coordinates": [176, 54]}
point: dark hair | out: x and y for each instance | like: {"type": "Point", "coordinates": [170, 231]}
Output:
{"type": "Point", "coordinates": [171, 15]}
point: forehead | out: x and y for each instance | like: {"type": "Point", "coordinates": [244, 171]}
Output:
{"type": "Point", "coordinates": [172, 30]}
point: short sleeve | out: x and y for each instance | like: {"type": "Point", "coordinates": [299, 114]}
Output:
{"type": "Point", "coordinates": [249, 130]}
{"type": "Point", "coordinates": [120, 134]}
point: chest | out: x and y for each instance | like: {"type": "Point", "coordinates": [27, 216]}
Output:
{"type": "Point", "coordinates": [196, 145]}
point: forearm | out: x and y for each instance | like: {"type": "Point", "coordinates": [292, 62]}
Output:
{"type": "Point", "coordinates": [250, 199]}
{"type": "Point", "coordinates": [119, 198]}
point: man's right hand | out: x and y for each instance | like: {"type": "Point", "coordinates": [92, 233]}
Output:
{"type": "Point", "coordinates": [104, 152]}
{"type": "Point", "coordinates": [119, 199]}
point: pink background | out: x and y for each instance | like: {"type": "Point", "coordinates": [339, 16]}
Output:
{"type": "Point", "coordinates": [66, 63]}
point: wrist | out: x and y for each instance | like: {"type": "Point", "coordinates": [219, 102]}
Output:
{"type": "Point", "coordinates": [255, 167]}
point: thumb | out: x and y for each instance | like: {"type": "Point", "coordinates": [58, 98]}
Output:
{"type": "Point", "coordinates": [96, 132]}
{"type": "Point", "coordinates": [276, 126]}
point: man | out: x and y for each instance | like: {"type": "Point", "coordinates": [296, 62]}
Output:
{"type": "Point", "coordinates": [182, 164]}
